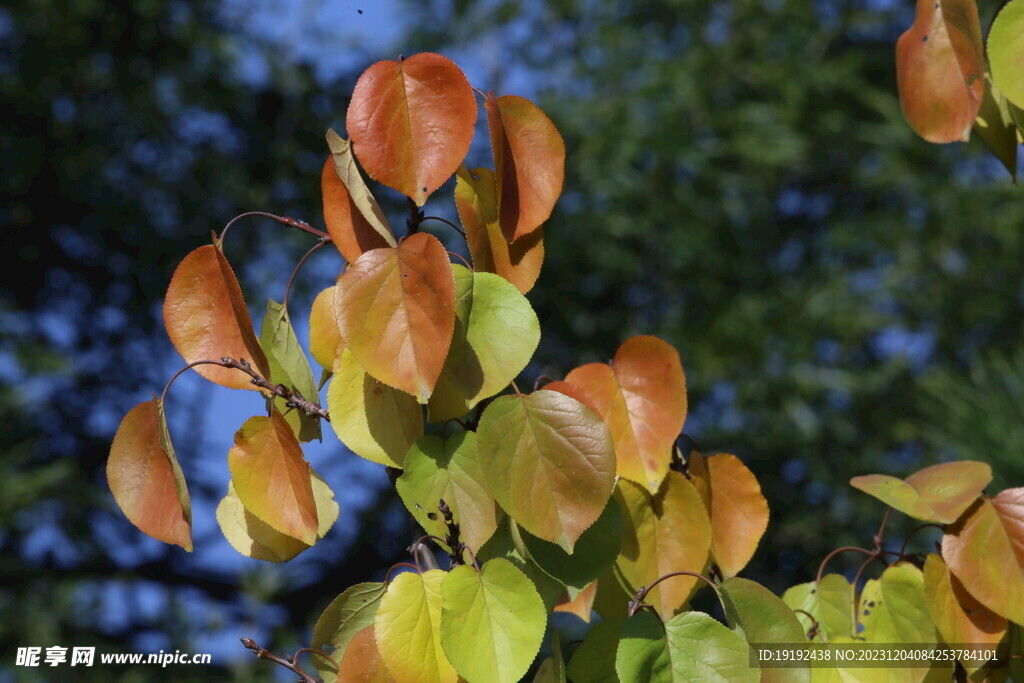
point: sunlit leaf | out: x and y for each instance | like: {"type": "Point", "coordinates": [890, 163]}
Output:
{"type": "Point", "coordinates": [492, 623]}
{"type": "Point", "coordinates": [996, 126]}
{"type": "Point", "coordinates": [940, 69]}
{"type": "Point", "coordinates": [272, 478]}
{"type": "Point", "coordinates": [349, 613]}
{"type": "Point", "coordinates": [362, 662]}
{"type": "Point", "coordinates": [582, 604]}
{"type": "Point", "coordinates": [408, 628]}
{"type": "Point", "coordinates": [411, 121]}
{"type": "Point", "coordinates": [665, 532]}
{"type": "Point", "coordinates": [549, 462]}
{"type": "Point", "coordinates": [206, 318]}
{"type": "Point", "coordinates": [1006, 51]}
{"type": "Point", "coordinates": [958, 617]}
{"type": "Point", "coordinates": [476, 200]}
{"type": "Point", "coordinates": [446, 469]}
{"type": "Point", "coordinates": [641, 396]}
{"type": "Point", "coordinates": [529, 163]}
{"type": "Point", "coordinates": [569, 389]}
{"type": "Point", "coordinates": [325, 342]}
{"type": "Point", "coordinates": [738, 509]}
{"type": "Point", "coordinates": [289, 366]}
{"type": "Point", "coordinates": [761, 617]}
{"type": "Point", "coordinates": [985, 550]}
{"type": "Point", "coordinates": [254, 538]}
{"type": "Point", "coordinates": [829, 603]}
{"type": "Point", "coordinates": [396, 313]}
{"type": "Point", "coordinates": [594, 659]}
{"type": "Point", "coordinates": [939, 493]}
{"type": "Point", "coordinates": [507, 543]}
{"type": "Point", "coordinates": [496, 333]}
{"type": "Point", "coordinates": [145, 478]}
{"type": "Point", "coordinates": [354, 220]}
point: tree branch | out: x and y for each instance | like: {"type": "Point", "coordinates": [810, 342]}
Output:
{"type": "Point", "coordinates": [293, 399]}
{"type": "Point", "coordinates": [288, 663]}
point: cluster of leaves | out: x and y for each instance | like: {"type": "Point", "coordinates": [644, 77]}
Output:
{"type": "Point", "coordinates": [946, 84]}
{"type": "Point", "coordinates": [575, 497]}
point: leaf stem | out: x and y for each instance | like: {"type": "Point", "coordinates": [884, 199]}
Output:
{"type": "Point", "coordinates": [906, 541]}
{"type": "Point", "coordinates": [537, 383]}
{"type": "Point", "coordinates": [298, 266]}
{"type": "Point", "coordinates": [448, 222]}
{"type": "Point", "coordinates": [283, 220]}
{"type": "Point", "coordinates": [314, 651]}
{"type": "Point", "coordinates": [848, 548]}
{"type": "Point", "coordinates": [638, 598]}
{"type": "Point", "coordinates": [461, 258]}
{"type": "Point", "coordinates": [175, 376]}
{"type": "Point", "coordinates": [407, 565]}
{"type": "Point", "coordinates": [288, 663]}
{"type": "Point", "coordinates": [815, 626]}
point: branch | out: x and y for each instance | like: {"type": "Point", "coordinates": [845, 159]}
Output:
{"type": "Point", "coordinates": [453, 537]}
{"type": "Point", "coordinates": [293, 399]}
{"type": "Point", "coordinates": [288, 663]}
{"type": "Point", "coordinates": [283, 220]}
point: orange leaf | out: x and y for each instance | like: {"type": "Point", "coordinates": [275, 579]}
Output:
{"type": "Point", "coordinates": [641, 396]}
{"type": "Point", "coordinates": [362, 661]}
{"type": "Point", "coordinates": [738, 509]}
{"type": "Point", "coordinates": [582, 604]}
{"type": "Point", "coordinates": [349, 230]}
{"type": "Point", "coordinates": [145, 477]}
{"type": "Point", "coordinates": [476, 199]}
{"type": "Point", "coordinates": [529, 161]}
{"type": "Point", "coordinates": [411, 122]}
{"type": "Point", "coordinates": [940, 70]}
{"type": "Point", "coordinates": [325, 342]}
{"type": "Point", "coordinates": [271, 477]}
{"type": "Point", "coordinates": [985, 550]}
{"type": "Point", "coordinates": [396, 312]}
{"type": "Point", "coordinates": [939, 493]}
{"type": "Point", "coordinates": [206, 318]}
{"type": "Point", "coordinates": [572, 391]}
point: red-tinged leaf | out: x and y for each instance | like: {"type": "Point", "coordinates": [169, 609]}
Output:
{"type": "Point", "coordinates": [476, 199]}
{"type": "Point", "coordinates": [396, 313]}
{"type": "Point", "coordinates": [362, 662]}
{"type": "Point", "coordinates": [582, 604]}
{"type": "Point", "coordinates": [939, 493]}
{"type": "Point", "coordinates": [985, 551]}
{"type": "Point", "coordinates": [736, 506]}
{"type": "Point", "coordinates": [940, 70]}
{"type": "Point", "coordinates": [271, 477]}
{"type": "Point", "coordinates": [206, 318]}
{"type": "Point", "coordinates": [145, 478]}
{"type": "Point", "coordinates": [569, 389]}
{"type": "Point", "coordinates": [665, 533]}
{"type": "Point", "coordinates": [353, 217]}
{"type": "Point", "coordinates": [325, 342]}
{"type": "Point", "coordinates": [529, 162]}
{"type": "Point", "coordinates": [411, 122]}
{"type": "Point", "coordinates": [549, 462]}
{"type": "Point", "coordinates": [641, 396]}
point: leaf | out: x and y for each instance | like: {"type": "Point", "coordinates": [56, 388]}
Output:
{"type": "Point", "coordinates": [411, 122]}
{"type": "Point", "coordinates": [254, 538]}
{"type": "Point", "coordinates": [408, 628]}
{"type": "Point", "coordinates": [595, 551]}
{"type": "Point", "coordinates": [476, 201]}
{"type": "Point", "coordinates": [985, 551]}
{"type": "Point", "coordinates": [958, 617]}
{"type": "Point", "coordinates": [288, 366]}
{"type": "Point", "coordinates": [736, 506]}
{"type": "Point", "coordinates": [373, 420]}
{"type": "Point", "coordinates": [940, 69]}
{"type": "Point", "coordinates": [496, 333]}
{"type": "Point", "coordinates": [664, 533]}
{"type": "Point", "coordinates": [549, 462]}
{"type": "Point", "coordinates": [641, 396]}
{"type": "Point", "coordinates": [272, 478]}
{"type": "Point", "coordinates": [447, 469]}
{"type": "Point", "coordinates": [594, 659]}
{"type": "Point", "coordinates": [354, 220]}
{"type": "Point", "coordinates": [506, 543]}
{"type": "Point", "coordinates": [146, 479]}
{"type": "Point", "coordinates": [206, 318]}
{"type": "Point", "coordinates": [828, 602]}
{"type": "Point", "coordinates": [529, 163]}
{"type": "Point", "coordinates": [940, 493]}
{"type": "Point", "coordinates": [643, 653]}
{"type": "Point", "coordinates": [582, 604]}
{"type": "Point", "coordinates": [1006, 53]}
{"type": "Point", "coordinates": [492, 621]}
{"type": "Point", "coordinates": [362, 661]}
{"type": "Point", "coordinates": [761, 617]}
{"type": "Point", "coordinates": [325, 342]}
{"type": "Point", "coordinates": [396, 313]}
{"type": "Point", "coordinates": [996, 126]}
{"type": "Point", "coordinates": [893, 608]}
{"type": "Point", "coordinates": [347, 615]}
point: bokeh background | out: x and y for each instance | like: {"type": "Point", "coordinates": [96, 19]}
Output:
{"type": "Point", "coordinates": [846, 298]}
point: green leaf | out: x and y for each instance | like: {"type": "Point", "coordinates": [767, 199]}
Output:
{"type": "Point", "coordinates": [549, 462]}
{"type": "Point", "coordinates": [492, 621]}
{"type": "Point", "coordinates": [408, 628]}
{"type": "Point", "coordinates": [347, 615]}
{"type": "Point", "coordinates": [643, 653]}
{"type": "Point", "coordinates": [829, 603]}
{"type": "Point", "coordinates": [761, 617]}
{"type": "Point", "coordinates": [702, 649]}
{"type": "Point", "coordinates": [939, 493]}
{"type": "Point", "coordinates": [375, 421]}
{"type": "Point", "coordinates": [595, 550]}
{"type": "Point", "coordinates": [552, 669]}
{"type": "Point", "coordinates": [496, 333]}
{"type": "Point", "coordinates": [439, 468]}
{"type": "Point", "coordinates": [594, 659]}
{"type": "Point", "coordinates": [289, 366]}
{"type": "Point", "coordinates": [506, 543]}
{"type": "Point", "coordinates": [1006, 51]}
{"type": "Point", "coordinates": [893, 608]}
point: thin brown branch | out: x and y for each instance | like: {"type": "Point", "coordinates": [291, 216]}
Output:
{"type": "Point", "coordinates": [448, 222]}
{"type": "Point", "coordinates": [848, 548]}
{"type": "Point", "coordinates": [283, 220]}
{"type": "Point", "coordinates": [638, 598]}
{"type": "Point", "coordinates": [298, 266]}
{"type": "Point", "coordinates": [293, 399]}
{"type": "Point", "coordinates": [287, 662]}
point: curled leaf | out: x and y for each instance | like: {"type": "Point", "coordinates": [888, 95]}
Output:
{"type": "Point", "coordinates": [353, 218]}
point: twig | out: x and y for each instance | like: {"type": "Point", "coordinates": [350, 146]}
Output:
{"type": "Point", "coordinates": [906, 541]}
{"type": "Point", "coordinates": [537, 383]}
{"type": "Point", "coordinates": [638, 598]}
{"type": "Point", "coordinates": [287, 662]}
{"type": "Point", "coordinates": [314, 651]}
{"type": "Point", "coordinates": [415, 218]}
{"type": "Point", "coordinates": [445, 220]}
{"type": "Point", "coordinates": [283, 220]}
{"type": "Point", "coordinates": [453, 537]}
{"type": "Point", "coordinates": [293, 399]}
{"type": "Point", "coordinates": [298, 266]}
{"type": "Point", "coordinates": [815, 626]}
{"type": "Point", "coordinates": [848, 548]}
